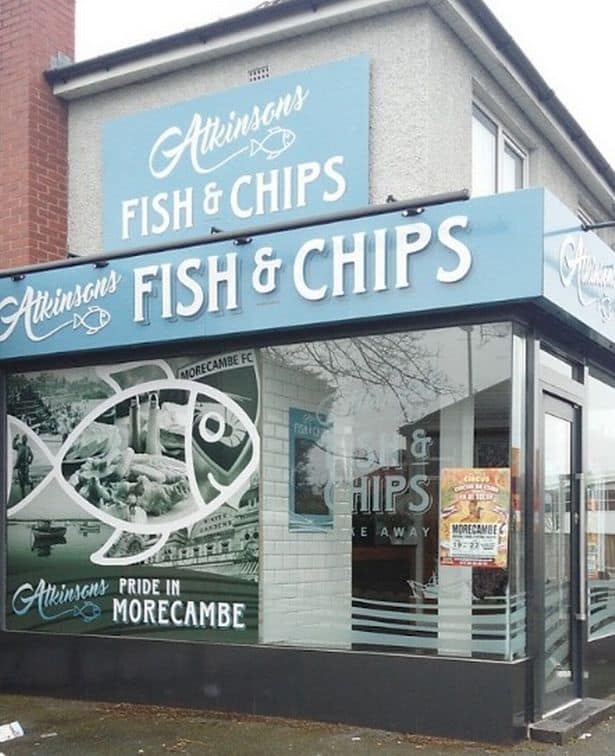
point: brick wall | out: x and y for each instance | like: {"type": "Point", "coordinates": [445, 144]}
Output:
{"type": "Point", "coordinates": [33, 131]}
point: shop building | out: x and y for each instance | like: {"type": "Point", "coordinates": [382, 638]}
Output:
{"type": "Point", "coordinates": [301, 429]}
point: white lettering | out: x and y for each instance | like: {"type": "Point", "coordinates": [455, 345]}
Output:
{"type": "Point", "coordinates": [37, 306]}
{"type": "Point", "coordinates": [313, 245]}
{"type": "Point", "coordinates": [142, 287]}
{"type": "Point", "coordinates": [405, 248]}
{"type": "Point", "coordinates": [336, 177]}
{"type": "Point", "coordinates": [128, 213]}
{"type": "Point", "coordinates": [218, 277]}
{"type": "Point", "coordinates": [463, 253]}
{"type": "Point", "coordinates": [159, 207]}
{"type": "Point", "coordinates": [238, 211]}
{"type": "Point", "coordinates": [206, 135]}
{"type": "Point", "coordinates": [307, 173]}
{"type": "Point", "coordinates": [186, 280]}
{"type": "Point", "coordinates": [354, 258]}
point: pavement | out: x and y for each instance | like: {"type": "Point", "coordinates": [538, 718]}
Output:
{"type": "Point", "coordinates": [85, 728]}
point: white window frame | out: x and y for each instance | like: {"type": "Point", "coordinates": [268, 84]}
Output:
{"type": "Point", "coordinates": [504, 140]}
{"type": "Point", "coordinates": [586, 218]}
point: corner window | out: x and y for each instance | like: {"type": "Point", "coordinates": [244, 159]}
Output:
{"type": "Point", "coordinates": [392, 517]}
{"type": "Point", "coordinates": [585, 217]}
{"type": "Point", "coordinates": [499, 164]}
{"type": "Point", "coordinates": [600, 502]}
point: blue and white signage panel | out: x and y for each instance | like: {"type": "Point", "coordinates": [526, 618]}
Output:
{"type": "Point", "coordinates": [486, 250]}
{"type": "Point", "coordinates": [579, 272]}
{"type": "Point", "coordinates": [272, 151]}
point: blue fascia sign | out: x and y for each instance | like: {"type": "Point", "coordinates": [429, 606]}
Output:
{"type": "Point", "coordinates": [278, 149]}
{"type": "Point", "coordinates": [486, 250]}
{"type": "Point", "coordinates": [579, 271]}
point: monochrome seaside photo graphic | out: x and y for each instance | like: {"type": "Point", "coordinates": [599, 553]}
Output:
{"type": "Point", "coordinates": [131, 460]}
{"type": "Point", "coordinates": [144, 468]}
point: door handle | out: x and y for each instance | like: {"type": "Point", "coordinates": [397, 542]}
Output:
{"type": "Point", "coordinates": [581, 615]}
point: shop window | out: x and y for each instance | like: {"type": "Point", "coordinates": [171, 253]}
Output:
{"type": "Point", "coordinates": [600, 499]}
{"type": "Point", "coordinates": [558, 364]}
{"type": "Point", "coordinates": [401, 473]}
{"type": "Point", "coordinates": [144, 464]}
{"type": "Point", "coordinates": [499, 164]}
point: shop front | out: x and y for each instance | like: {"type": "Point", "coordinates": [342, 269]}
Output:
{"type": "Point", "coordinates": [355, 470]}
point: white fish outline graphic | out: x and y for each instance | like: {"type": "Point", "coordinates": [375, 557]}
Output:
{"type": "Point", "coordinates": [202, 509]}
{"type": "Point", "coordinates": [93, 314]}
{"type": "Point", "coordinates": [281, 139]}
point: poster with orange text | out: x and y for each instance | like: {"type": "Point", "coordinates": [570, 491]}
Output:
{"type": "Point", "coordinates": [474, 516]}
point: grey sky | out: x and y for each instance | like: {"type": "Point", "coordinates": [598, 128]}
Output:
{"type": "Point", "coordinates": [570, 43]}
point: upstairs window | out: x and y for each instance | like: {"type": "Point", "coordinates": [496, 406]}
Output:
{"type": "Point", "coordinates": [498, 163]}
{"type": "Point", "coordinates": [585, 217]}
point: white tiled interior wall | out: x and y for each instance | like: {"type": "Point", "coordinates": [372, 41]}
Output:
{"type": "Point", "coordinates": [306, 577]}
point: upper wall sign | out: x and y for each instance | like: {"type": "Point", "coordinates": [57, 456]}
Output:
{"type": "Point", "coordinates": [271, 151]}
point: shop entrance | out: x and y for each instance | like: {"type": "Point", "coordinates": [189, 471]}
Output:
{"type": "Point", "coordinates": [564, 578]}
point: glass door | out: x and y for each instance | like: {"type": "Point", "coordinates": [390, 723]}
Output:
{"type": "Point", "coordinates": [563, 610]}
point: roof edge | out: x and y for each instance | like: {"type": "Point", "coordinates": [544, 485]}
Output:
{"type": "Point", "coordinates": [197, 35]}
{"type": "Point", "coordinates": [478, 9]}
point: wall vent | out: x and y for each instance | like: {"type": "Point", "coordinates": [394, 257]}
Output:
{"type": "Point", "coordinates": [256, 74]}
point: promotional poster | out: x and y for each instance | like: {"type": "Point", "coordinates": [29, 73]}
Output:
{"type": "Point", "coordinates": [474, 516]}
{"type": "Point", "coordinates": [133, 499]}
{"type": "Point", "coordinates": [312, 481]}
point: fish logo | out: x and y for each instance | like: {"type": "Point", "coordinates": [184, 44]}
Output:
{"type": "Point", "coordinates": [88, 611]}
{"type": "Point", "coordinates": [92, 321]}
{"type": "Point", "coordinates": [145, 491]}
{"type": "Point", "coordinates": [277, 141]}
{"type": "Point", "coordinates": [272, 145]}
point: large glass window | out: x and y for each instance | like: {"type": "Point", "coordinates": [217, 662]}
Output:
{"type": "Point", "coordinates": [360, 493]}
{"type": "Point", "coordinates": [484, 154]}
{"type": "Point", "coordinates": [600, 500]}
{"type": "Point", "coordinates": [389, 468]}
{"type": "Point", "coordinates": [498, 162]}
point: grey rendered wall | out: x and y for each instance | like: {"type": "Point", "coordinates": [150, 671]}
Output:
{"type": "Point", "coordinates": [423, 81]}
{"type": "Point", "coordinates": [456, 79]}
{"type": "Point", "coordinates": [397, 47]}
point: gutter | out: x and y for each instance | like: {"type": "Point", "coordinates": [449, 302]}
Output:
{"type": "Point", "coordinates": [200, 35]}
